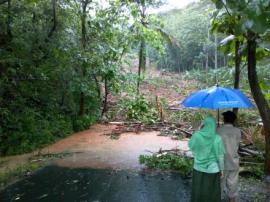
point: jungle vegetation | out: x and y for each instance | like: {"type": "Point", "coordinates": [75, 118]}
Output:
{"type": "Point", "coordinates": [60, 59]}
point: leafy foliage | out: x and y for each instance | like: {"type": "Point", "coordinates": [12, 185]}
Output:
{"type": "Point", "coordinates": [168, 162]}
{"type": "Point", "coordinates": [193, 43]}
{"type": "Point", "coordinates": [55, 58]}
{"type": "Point", "coordinates": [139, 109]}
{"type": "Point", "coordinates": [225, 77]}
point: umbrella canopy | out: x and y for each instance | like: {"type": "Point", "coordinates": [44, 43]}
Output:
{"type": "Point", "coordinates": [218, 98]}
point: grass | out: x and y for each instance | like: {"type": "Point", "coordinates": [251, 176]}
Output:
{"type": "Point", "coordinates": [10, 176]}
{"type": "Point", "coordinates": [35, 162]}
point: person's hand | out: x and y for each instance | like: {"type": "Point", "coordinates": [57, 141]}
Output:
{"type": "Point", "coordinates": [221, 173]}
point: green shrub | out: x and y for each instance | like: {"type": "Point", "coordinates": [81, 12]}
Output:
{"type": "Point", "coordinates": [168, 162]}
{"type": "Point", "coordinates": [82, 123]}
{"type": "Point", "coordinates": [30, 130]}
{"type": "Point", "coordinates": [190, 116]}
{"type": "Point", "coordinates": [139, 109]}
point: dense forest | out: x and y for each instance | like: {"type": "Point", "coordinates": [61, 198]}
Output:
{"type": "Point", "coordinates": [60, 59]}
{"type": "Point", "coordinates": [194, 44]}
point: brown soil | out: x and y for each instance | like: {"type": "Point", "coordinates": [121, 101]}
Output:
{"type": "Point", "coordinates": [12, 162]}
{"type": "Point", "coordinates": [170, 88]}
{"type": "Point", "coordinates": [93, 148]}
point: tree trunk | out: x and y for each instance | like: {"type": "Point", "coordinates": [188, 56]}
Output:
{"type": "Point", "coordinates": [142, 63]}
{"type": "Point", "coordinates": [83, 21]}
{"type": "Point", "coordinates": [237, 60]}
{"type": "Point", "coordinates": [54, 19]}
{"type": "Point", "coordinates": [216, 58]}
{"type": "Point", "coordinates": [81, 113]}
{"type": "Point", "coordinates": [83, 41]}
{"type": "Point", "coordinates": [98, 87]}
{"type": "Point", "coordinates": [9, 19]}
{"type": "Point", "coordinates": [6, 36]}
{"type": "Point", "coordinates": [207, 51]}
{"type": "Point", "coordinates": [52, 29]}
{"type": "Point", "coordinates": [106, 93]}
{"type": "Point", "coordinates": [207, 61]}
{"type": "Point", "coordinates": [259, 98]}
{"type": "Point", "coordinates": [142, 51]}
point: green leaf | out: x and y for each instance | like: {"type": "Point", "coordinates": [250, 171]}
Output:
{"type": "Point", "coordinates": [248, 24]}
{"type": "Point", "coordinates": [219, 4]}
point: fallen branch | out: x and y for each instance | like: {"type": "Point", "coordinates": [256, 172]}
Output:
{"type": "Point", "coordinates": [168, 150]}
{"type": "Point", "coordinates": [246, 145]}
{"type": "Point", "coordinates": [249, 151]}
{"type": "Point", "coordinates": [188, 133]}
{"type": "Point", "coordinates": [244, 153]}
{"type": "Point", "coordinates": [175, 151]}
{"type": "Point", "coordinates": [250, 163]}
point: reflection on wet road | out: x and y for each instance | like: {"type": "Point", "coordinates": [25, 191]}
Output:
{"type": "Point", "coordinates": [98, 185]}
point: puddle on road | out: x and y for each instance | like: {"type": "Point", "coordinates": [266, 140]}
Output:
{"type": "Point", "coordinates": [96, 150]}
{"type": "Point", "coordinates": [102, 169]}
{"type": "Point", "coordinates": [100, 185]}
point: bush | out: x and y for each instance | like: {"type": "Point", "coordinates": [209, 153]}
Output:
{"type": "Point", "coordinates": [30, 130]}
{"type": "Point", "coordinates": [140, 109]}
{"type": "Point", "coordinates": [82, 123]}
{"type": "Point", "coordinates": [191, 116]}
{"type": "Point", "coordinates": [168, 162]}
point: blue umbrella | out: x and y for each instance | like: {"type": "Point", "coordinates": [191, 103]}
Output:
{"type": "Point", "coordinates": [218, 98]}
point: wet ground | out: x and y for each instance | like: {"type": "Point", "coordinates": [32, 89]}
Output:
{"type": "Point", "coordinates": [102, 169]}
{"type": "Point", "coordinates": [98, 185]}
{"type": "Point", "coordinates": [94, 149]}
{"type": "Point", "coordinates": [62, 184]}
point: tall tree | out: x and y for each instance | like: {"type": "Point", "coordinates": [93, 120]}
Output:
{"type": "Point", "coordinates": [84, 4]}
{"type": "Point", "coordinates": [54, 18]}
{"type": "Point", "coordinates": [189, 26]}
{"type": "Point", "coordinates": [145, 27]}
{"type": "Point", "coordinates": [237, 61]}
{"type": "Point", "coordinates": [253, 23]}
{"type": "Point", "coordinates": [224, 23]}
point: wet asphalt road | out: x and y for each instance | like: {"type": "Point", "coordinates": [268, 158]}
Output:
{"type": "Point", "coordinates": [57, 184]}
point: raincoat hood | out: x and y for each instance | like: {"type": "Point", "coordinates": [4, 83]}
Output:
{"type": "Point", "coordinates": [205, 144]}
{"type": "Point", "coordinates": [209, 127]}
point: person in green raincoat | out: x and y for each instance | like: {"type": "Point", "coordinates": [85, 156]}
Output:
{"type": "Point", "coordinates": [208, 151]}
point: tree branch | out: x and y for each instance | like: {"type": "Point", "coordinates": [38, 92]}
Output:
{"type": "Point", "coordinates": [54, 2]}
{"type": "Point", "coordinates": [3, 1]}
{"type": "Point", "coordinates": [9, 19]}
{"type": "Point", "coordinates": [226, 8]}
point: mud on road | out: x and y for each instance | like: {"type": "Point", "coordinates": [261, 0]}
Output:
{"type": "Point", "coordinates": [94, 149]}
{"type": "Point", "coordinates": [102, 169]}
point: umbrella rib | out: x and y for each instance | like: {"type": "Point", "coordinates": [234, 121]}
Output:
{"type": "Point", "coordinates": [208, 94]}
{"type": "Point", "coordinates": [227, 99]}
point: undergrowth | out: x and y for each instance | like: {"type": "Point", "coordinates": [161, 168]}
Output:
{"type": "Point", "coordinates": [9, 176]}
{"type": "Point", "coordinates": [139, 109]}
{"type": "Point", "coordinates": [168, 162]}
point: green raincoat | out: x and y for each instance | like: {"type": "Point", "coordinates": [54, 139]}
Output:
{"type": "Point", "coordinates": [207, 148]}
